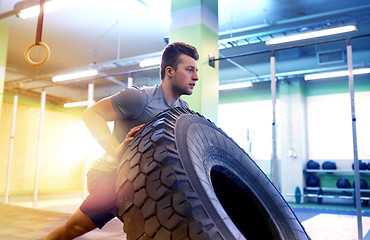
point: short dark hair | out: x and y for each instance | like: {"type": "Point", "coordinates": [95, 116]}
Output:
{"type": "Point", "coordinates": [170, 55]}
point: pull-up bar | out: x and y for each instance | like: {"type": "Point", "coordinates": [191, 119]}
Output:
{"type": "Point", "coordinates": [212, 59]}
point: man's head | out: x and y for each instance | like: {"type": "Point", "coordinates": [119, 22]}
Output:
{"type": "Point", "coordinates": [171, 54]}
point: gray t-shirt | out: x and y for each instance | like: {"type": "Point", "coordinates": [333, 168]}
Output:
{"type": "Point", "coordinates": [134, 106]}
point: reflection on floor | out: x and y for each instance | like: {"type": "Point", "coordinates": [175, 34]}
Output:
{"type": "Point", "coordinates": [335, 227]}
{"type": "Point", "coordinates": [18, 220]}
{"type": "Point", "coordinates": [332, 221]}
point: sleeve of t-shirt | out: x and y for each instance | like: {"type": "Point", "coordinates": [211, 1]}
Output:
{"type": "Point", "coordinates": [129, 103]}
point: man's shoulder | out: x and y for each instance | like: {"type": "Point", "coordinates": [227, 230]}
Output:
{"type": "Point", "coordinates": [151, 91]}
{"type": "Point", "coordinates": [128, 93]}
{"type": "Point", "coordinates": [130, 102]}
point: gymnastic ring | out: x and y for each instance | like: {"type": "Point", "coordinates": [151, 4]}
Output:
{"type": "Point", "coordinates": [27, 54]}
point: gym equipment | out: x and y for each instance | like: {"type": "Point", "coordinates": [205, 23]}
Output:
{"type": "Point", "coordinates": [361, 165]}
{"type": "Point", "coordinates": [329, 165]}
{"type": "Point", "coordinates": [27, 54]}
{"type": "Point", "coordinates": [182, 177]}
{"type": "Point", "coordinates": [363, 184]}
{"type": "Point", "coordinates": [320, 194]}
{"type": "Point", "coordinates": [298, 195]}
{"type": "Point", "coordinates": [312, 164]}
{"type": "Point", "coordinates": [38, 40]}
{"type": "Point", "coordinates": [312, 181]}
{"type": "Point", "coordinates": [343, 183]}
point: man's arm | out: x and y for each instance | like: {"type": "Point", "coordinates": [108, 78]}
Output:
{"type": "Point", "coordinates": [96, 118]}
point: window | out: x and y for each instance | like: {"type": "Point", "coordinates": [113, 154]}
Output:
{"type": "Point", "coordinates": [329, 126]}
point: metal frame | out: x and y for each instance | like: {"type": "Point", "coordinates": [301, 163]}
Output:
{"type": "Point", "coordinates": [354, 134]}
{"type": "Point", "coordinates": [274, 166]}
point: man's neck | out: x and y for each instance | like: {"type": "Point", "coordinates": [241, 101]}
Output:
{"type": "Point", "coordinates": [169, 95]}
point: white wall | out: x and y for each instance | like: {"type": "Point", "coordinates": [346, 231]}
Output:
{"type": "Point", "coordinates": [249, 119]}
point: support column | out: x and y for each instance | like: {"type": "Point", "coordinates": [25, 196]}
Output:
{"type": "Point", "coordinates": [15, 104]}
{"type": "Point", "coordinates": [293, 135]}
{"type": "Point", "coordinates": [130, 81]}
{"type": "Point", "coordinates": [274, 160]}
{"type": "Point", "coordinates": [90, 99]}
{"type": "Point", "coordinates": [38, 157]}
{"type": "Point", "coordinates": [4, 34]}
{"type": "Point", "coordinates": [196, 22]}
{"type": "Point", "coordinates": [354, 138]}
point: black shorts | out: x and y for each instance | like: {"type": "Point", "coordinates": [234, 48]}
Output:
{"type": "Point", "coordinates": [101, 203]}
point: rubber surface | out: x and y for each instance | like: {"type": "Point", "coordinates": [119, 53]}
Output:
{"type": "Point", "coordinates": [183, 178]}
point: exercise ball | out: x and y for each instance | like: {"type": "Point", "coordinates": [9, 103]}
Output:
{"type": "Point", "coordinates": [329, 165]}
{"type": "Point", "coordinates": [312, 181]}
{"type": "Point", "coordinates": [362, 165]}
{"type": "Point", "coordinates": [312, 164]}
{"type": "Point", "coordinates": [343, 183]}
{"type": "Point", "coordinates": [363, 184]}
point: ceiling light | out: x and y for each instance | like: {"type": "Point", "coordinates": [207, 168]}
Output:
{"type": "Point", "coordinates": [150, 62]}
{"type": "Point", "coordinates": [309, 35]}
{"type": "Point", "coordinates": [315, 76]}
{"type": "Point", "coordinates": [76, 104]}
{"type": "Point", "coordinates": [75, 75]}
{"type": "Point", "coordinates": [33, 11]}
{"type": "Point", "coordinates": [234, 85]}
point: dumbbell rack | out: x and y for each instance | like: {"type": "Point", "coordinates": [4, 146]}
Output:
{"type": "Point", "coordinates": [321, 193]}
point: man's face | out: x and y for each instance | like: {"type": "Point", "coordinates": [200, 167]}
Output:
{"type": "Point", "coordinates": [185, 76]}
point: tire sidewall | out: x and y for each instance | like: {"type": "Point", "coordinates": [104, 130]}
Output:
{"type": "Point", "coordinates": [218, 150]}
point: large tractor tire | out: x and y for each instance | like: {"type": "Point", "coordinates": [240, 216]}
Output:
{"type": "Point", "coordinates": [181, 177]}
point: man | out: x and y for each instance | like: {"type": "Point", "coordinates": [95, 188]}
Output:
{"type": "Point", "coordinates": [131, 108]}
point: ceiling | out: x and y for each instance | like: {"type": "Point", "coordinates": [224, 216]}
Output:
{"type": "Point", "coordinates": [113, 35]}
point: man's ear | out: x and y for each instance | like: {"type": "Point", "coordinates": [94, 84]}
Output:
{"type": "Point", "coordinates": [169, 71]}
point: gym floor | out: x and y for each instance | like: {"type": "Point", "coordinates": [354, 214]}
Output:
{"type": "Point", "coordinates": [18, 220]}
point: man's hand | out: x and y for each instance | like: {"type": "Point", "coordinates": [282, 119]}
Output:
{"type": "Point", "coordinates": [118, 152]}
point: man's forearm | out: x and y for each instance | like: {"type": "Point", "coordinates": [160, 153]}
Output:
{"type": "Point", "coordinates": [99, 129]}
